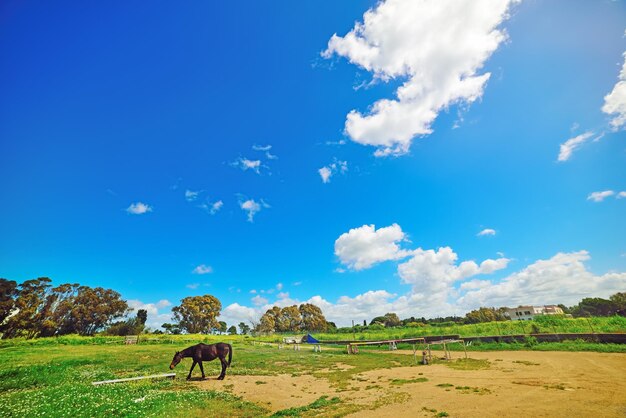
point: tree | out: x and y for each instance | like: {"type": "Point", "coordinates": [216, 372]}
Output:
{"type": "Point", "coordinates": [8, 293]}
{"type": "Point", "coordinates": [292, 319]}
{"type": "Point", "coordinates": [232, 330]}
{"type": "Point", "coordinates": [244, 328]}
{"type": "Point", "coordinates": [30, 306]}
{"type": "Point", "coordinates": [595, 307]}
{"type": "Point", "coordinates": [565, 309]}
{"type": "Point", "coordinates": [64, 303]}
{"type": "Point", "coordinates": [269, 320]}
{"type": "Point", "coordinates": [289, 320]}
{"type": "Point", "coordinates": [378, 320]}
{"type": "Point", "coordinates": [484, 315]}
{"type": "Point", "coordinates": [222, 326]}
{"type": "Point", "coordinates": [388, 320]}
{"type": "Point", "coordinates": [197, 314]}
{"type": "Point", "coordinates": [122, 328]}
{"type": "Point", "coordinates": [392, 320]}
{"type": "Point", "coordinates": [312, 317]}
{"type": "Point", "coordinates": [131, 326]}
{"type": "Point", "coordinates": [142, 317]}
{"type": "Point", "coordinates": [171, 328]}
{"type": "Point", "coordinates": [42, 311]}
{"type": "Point", "coordinates": [95, 308]}
{"type": "Point", "coordinates": [619, 300]}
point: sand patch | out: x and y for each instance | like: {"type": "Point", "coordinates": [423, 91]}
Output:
{"type": "Point", "coordinates": [515, 383]}
{"type": "Point", "coordinates": [556, 384]}
{"type": "Point", "coordinates": [272, 392]}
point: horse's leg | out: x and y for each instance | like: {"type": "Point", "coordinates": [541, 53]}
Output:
{"type": "Point", "coordinates": [201, 368]}
{"type": "Point", "coordinates": [191, 370]}
{"type": "Point", "coordinates": [224, 364]}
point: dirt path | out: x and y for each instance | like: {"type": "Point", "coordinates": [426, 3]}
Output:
{"type": "Point", "coordinates": [515, 383]}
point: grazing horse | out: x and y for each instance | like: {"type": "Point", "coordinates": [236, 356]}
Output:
{"type": "Point", "coordinates": [205, 352]}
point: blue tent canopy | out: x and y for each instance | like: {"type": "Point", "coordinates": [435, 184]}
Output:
{"type": "Point", "coordinates": [309, 339]}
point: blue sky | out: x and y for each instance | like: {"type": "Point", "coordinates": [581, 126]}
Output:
{"type": "Point", "coordinates": [140, 146]}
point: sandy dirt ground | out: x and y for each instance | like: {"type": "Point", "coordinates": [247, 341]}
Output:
{"type": "Point", "coordinates": [517, 383]}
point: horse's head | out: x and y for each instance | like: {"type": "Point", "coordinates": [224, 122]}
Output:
{"type": "Point", "coordinates": [177, 358]}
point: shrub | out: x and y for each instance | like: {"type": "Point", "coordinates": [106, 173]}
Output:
{"type": "Point", "coordinates": [530, 341]}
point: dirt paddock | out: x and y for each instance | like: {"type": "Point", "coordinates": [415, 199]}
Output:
{"type": "Point", "coordinates": [512, 384]}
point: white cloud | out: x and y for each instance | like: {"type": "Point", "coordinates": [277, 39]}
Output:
{"type": "Point", "coordinates": [246, 164]}
{"type": "Point", "coordinates": [441, 288]}
{"type": "Point", "coordinates": [621, 195]}
{"type": "Point", "coordinates": [486, 231]}
{"type": "Point", "coordinates": [600, 196]}
{"type": "Point", "coordinates": [365, 246]}
{"type": "Point", "coordinates": [202, 269]}
{"type": "Point", "coordinates": [266, 149]}
{"type": "Point", "coordinates": [155, 317]}
{"type": "Point", "coordinates": [432, 273]}
{"type": "Point", "coordinates": [259, 300]}
{"type": "Point", "coordinates": [569, 146]}
{"type": "Point", "coordinates": [560, 279]}
{"type": "Point", "coordinates": [212, 207]}
{"type": "Point", "coordinates": [615, 101]}
{"type": "Point", "coordinates": [235, 313]}
{"type": "Point", "coordinates": [334, 143]}
{"type": "Point", "coordinates": [328, 171]}
{"type": "Point", "coordinates": [436, 46]}
{"type": "Point", "coordinates": [279, 286]}
{"type": "Point", "coordinates": [475, 284]}
{"type": "Point", "coordinates": [163, 303]}
{"type": "Point", "coordinates": [325, 174]}
{"type": "Point", "coordinates": [215, 207]}
{"type": "Point", "coordinates": [193, 286]}
{"type": "Point", "coordinates": [190, 195]}
{"type": "Point", "coordinates": [252, 207]}
{"type": "Point", "coordinates": [138, 208]}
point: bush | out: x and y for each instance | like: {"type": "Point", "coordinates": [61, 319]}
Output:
{"type": "Point", "coordinates": [442, 324]}
{"type": "Point", "coordinates": [530, 341]}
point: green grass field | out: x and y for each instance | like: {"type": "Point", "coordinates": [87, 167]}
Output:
{"type": "Point", "coordinates": [53, 376]}
{"type": "Point", "coordinates": [51, 379]}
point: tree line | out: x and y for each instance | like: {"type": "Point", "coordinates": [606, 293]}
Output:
{"type": "Point", "coordinates": [587, 307]}
{"type": "Point", "coordinates": [306, 317]}
{"type": "Point", "coordinates": [35, 308]}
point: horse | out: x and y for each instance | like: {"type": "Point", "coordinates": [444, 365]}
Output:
{"type": "Point", "coordinates": [205, 352]}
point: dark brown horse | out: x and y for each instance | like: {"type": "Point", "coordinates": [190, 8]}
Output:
{"type": "Point", "coordinates": [205, 352]}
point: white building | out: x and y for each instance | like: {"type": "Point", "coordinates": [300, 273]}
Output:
{"type": "Point", "coordinates": [526, 313]}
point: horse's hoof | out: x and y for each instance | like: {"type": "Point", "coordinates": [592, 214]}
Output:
{"type": "Point", "coordinates": [220, 378]}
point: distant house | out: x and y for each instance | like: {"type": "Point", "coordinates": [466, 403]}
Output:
{"type": "Point", "coordinates": [526, 313]}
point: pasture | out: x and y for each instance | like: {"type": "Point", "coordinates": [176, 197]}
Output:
{"type": "Point", "coordinates": [45, 378]}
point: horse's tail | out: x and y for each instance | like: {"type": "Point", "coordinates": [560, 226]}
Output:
{"type": "Point", "coordinates": [230, 353]}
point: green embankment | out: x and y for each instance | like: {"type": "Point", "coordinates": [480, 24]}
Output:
{"type": "Point", "coordinates": [546, 324]}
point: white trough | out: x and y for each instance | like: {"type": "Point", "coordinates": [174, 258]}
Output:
{"type": "Point", "coordinates": [130, 379]}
